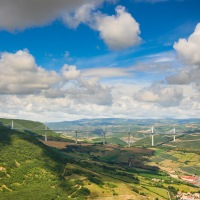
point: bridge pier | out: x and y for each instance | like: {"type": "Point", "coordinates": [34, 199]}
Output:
{"type": "Point", "coordinates": [152, 140]}
{"type": "Point", "coordinates": [12, 124]}
{"type": "Point", "coordinates": [104, 137]}
{"type": "Point", "coordinates": [76, 136]}
{"type": "Point", "coordinates": [174, 134]}
{"type": "Point", "coordinates": [45, 135]}
{"type": "Point", "coordinates": [129, 137]}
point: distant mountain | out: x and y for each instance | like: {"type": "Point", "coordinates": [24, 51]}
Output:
{"type": "Point", "coordinates": [118, 121]}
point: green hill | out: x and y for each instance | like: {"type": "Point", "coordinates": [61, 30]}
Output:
{"type": "Point", "coordinates": [33, 128]}
{"type": "Point", "coordinates": [28, 169]}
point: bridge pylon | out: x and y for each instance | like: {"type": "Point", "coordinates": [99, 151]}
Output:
{"type": "Point", "coordinates": [12, 124]}
{"type": "Point", "coordinates": [174, 134]}
{"type": "Point", "coordinates": [104, 136]}
{"type": "Point", "coordinates": [152, 136]}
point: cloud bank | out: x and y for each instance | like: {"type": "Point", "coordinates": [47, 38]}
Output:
{"type": "Point", "coordinates": [20, 75]}
{"type": "Point", "coordinates": [32, 92]}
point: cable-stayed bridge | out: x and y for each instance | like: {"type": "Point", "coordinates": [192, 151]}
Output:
{"type": "Point", "coordinates": [152, 131]}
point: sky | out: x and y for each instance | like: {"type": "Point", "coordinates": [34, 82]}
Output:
{"type": "Point", "coordinates": [71, 59]}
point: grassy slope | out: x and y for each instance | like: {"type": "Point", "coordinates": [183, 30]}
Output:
{"type": "Point", "coordinates": [29, 169]}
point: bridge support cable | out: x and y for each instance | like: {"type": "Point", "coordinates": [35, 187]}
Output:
{"type": "Point", "coordinates": [104, 136]}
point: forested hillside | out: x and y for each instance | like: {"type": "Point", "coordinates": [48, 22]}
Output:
{"type": "Point", "coordinates": [28, 168]}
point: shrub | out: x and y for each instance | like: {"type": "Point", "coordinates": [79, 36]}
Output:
{"type": "Point", "coordinates": [136, 190]}
{"type": "Point", "coordinates": [83, 192]}
{"type": "Point", "coordinates": [95, 180]}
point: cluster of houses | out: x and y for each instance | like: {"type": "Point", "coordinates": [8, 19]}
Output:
{"type": "Point", "coordinates": [195, 180]}
{"type": "Point", "coordinates": [188, 196]}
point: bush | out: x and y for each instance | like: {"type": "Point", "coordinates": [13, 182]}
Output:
{"type": "Point", "coordinates": [95, 180]}
{"type": "Point", "coordinates": [83, 192]}
{"type": "Point", "coordinates": [172, 189]}
{"type": "Point", "coordinates": [136, 190]}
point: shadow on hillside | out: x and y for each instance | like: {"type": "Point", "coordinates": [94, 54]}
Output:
{"type": "Point", "coordinates": [41, 137]}
{"type": "Point", "coordinates": [177, 137]}
{"type": "Point", "coordinates": [165, 142]}
{"type": "Point", "coordinates": [129, 158]}
{"type": "Point", "coordinates": [5, 136]}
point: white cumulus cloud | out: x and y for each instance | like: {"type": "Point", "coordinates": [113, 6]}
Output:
{"type": "Point", "coordinates": [81, 15]}
{"type": "Point", "coordinates": [189, 49]}
{"type": "Point", "coordinates": [185, 76]}
{"type": "Point", "coordinates": [70, 72]}
{"type": "Point", "coordinates": [20, 74]}
{"type": "Point", "coordinates": [118, 31]}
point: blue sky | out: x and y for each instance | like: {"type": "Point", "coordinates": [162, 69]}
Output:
{"type": "Point", "coordinates": [120, 58]}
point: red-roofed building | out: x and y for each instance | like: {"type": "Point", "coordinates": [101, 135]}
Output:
{"type": "Point", "coordinates": [190, 179]}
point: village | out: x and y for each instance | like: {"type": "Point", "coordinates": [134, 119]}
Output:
{"type": "Point", "coordinates": [184, 195]}
{"type": "Point", "coordinates": [195, 180]}
{"type": "Point", "coordinates": [187, 196]}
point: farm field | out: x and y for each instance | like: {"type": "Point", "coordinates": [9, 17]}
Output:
{"type": "Point", "coordinates": [102, 161]}
{"type": "Point", "coordinates": [177, 162]}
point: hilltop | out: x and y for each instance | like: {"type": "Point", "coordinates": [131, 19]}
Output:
{"type": "Point", "coordinates": [120, 121]}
